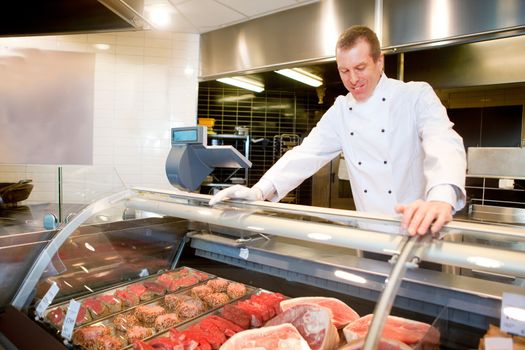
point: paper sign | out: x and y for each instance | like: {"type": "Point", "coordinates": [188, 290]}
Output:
{"type": "Point", "coordinates": [513, 313]}
{"type": "Point", "coordinates": [244, 253]}
{"type": "Point", "coordinates": [70, 320]}
{"type": "Point", "coordinates": [47, 300]}
{"type": "Point", "coordinates": [498, 343]}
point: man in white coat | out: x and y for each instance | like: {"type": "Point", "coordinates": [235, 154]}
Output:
{"type": "Point", "coordinates": [400, 149]}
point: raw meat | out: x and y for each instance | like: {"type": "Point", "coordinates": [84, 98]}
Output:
{"type": "Point", "coordinates": [408, 331]}
{"type": "Point", "coordinates": [313, 322]}
{"type": "Point", "coordinates": [342, 314]}
{"type": "Point", "coordinates": [281, 337]}
{"type": "Point", "coordinates": [384, 344]}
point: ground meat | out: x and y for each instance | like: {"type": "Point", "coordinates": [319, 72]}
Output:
{"type": "Point", "coordinates": [236, 290]}
{"type": "Point", "coordinates": [190, 308]}
{"type": "Point", "coordinates": [201, 291]}
{"type": "Point", "coordinates": [138, 332]}
{"type": "Point", "coordinates": [123, 322]}
{"type": "Point", "coordinates": [148, 313]}
{"type": "Point", "coordinates": [166, 321]}
{"type": "Point", "coordinates": [218, 285]}
{"type": "Point", "coordinates": [216, 299]}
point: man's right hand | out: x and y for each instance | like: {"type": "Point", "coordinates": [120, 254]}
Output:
{"type": "Point", "coordinates": [237, 192]}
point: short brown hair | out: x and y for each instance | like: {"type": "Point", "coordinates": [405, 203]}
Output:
{"type": "Point", "coordinates": [352, 35]}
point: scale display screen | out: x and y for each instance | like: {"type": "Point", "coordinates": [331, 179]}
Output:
{"type": "Point", "coordinates": [184, 136]}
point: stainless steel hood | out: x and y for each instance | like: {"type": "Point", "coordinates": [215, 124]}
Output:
{"type": "Point", "coordinates": [36, 17]}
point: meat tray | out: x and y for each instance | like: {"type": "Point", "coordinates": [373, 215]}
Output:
{"type": "Point", "coordinates": [156, 316]}
{"type": "Point", "coordinates": [214, 327]}
{"type": "Point", "coordinates": [106, 303]}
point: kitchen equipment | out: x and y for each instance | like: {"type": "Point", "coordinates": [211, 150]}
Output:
{"type": "Point", "coordinates": [190, 160]}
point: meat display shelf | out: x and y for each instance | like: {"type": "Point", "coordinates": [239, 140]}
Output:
{"type": "Point", "coordinates": [458, 278]}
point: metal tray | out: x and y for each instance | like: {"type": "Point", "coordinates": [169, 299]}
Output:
{"type": "Point", "coordinates": [184, 271]}
{"type": "Point", "coordinates": [120, 332]}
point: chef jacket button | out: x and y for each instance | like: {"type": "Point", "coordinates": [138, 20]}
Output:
{"type": "Point", "coordinates": [382, 130]}
{"type": "Point", "coordinates": [366, 191]}
{"type": "Point", "coordinates": [383, 99]}
{"type": "Point", "coordinates": [350, 108]}
{"type": "Point", "coordinates": [384, 162]}
{"type": "Point", "coordinates": [352, 133]}
{"type": "Point", "coordinates": [389, 191]}
{"type": "Point", "coordinates": [359, 163]}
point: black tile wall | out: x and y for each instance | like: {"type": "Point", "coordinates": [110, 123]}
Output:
{"type": "Point", "coordinates": [266, 114]}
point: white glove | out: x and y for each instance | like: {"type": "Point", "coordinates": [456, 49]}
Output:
{"type": "Point", "coordinates": [237, 192]}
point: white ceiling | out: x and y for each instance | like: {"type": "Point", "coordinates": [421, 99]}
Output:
{"type": "Point", "coordinates": [200, 16]}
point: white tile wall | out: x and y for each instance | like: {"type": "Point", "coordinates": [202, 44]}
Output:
{"type": "Point", "coordinates": [145, 83]}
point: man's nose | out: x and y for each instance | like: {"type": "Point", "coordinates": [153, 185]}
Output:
{"type": "Point", "coordinates": [352, 77]}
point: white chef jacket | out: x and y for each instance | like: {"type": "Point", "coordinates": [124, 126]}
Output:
{"type": "Point", "coordinates": [398, 145]}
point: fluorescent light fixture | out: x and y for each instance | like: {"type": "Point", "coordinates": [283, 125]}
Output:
{"type": "Point", "coordinates": [244, 83]}
{"type": "Point", "coordinates": [302, 76]}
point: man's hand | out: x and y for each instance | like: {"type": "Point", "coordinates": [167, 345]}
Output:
{"type": "Point", "coordinates": [419, 216]}
{"type": "Point", "coordinates": [237, 192]}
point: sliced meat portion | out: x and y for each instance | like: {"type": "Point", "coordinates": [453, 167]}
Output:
{"type": "Point", "coordinates": [228, 328]}
{"type": "Point", "coordinates": [313, 322]}
{"type": "Point", "coordinates": [281, 337]}
{"type": "Point", "coordinates": [408, 331]}
{"type": "Point", "coordinates": [342, 314]}
{"type": "Point", "coordinates": [384, 344]}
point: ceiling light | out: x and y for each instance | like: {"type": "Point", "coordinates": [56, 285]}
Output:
{"type": "Point", "coordinates": [244, 83]}
{"type": "Point", "coordinates": [302, 76]}
{"type": "Point", "coordinates": [159, 14]}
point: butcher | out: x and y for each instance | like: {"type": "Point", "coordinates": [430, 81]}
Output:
{"type": "Point", "coordinates": [402, 155]}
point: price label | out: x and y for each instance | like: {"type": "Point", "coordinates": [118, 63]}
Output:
{"type": "Point", "coordinates": [513, 314]}
{"type": "Point", "coordinates": [244, 253]}
{"type": "Point", "coordinates": [70, 320]}
{"type": "Point", "coordinates": [498, 343]}
{"type": "Point", "coordinates": [47, 300]}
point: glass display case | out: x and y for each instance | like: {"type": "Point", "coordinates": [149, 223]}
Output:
{"type": "Point", "coordinates": [80, 286]}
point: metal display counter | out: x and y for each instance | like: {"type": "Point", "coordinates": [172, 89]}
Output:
{"type": "Point", "coordinates": [456, 280]}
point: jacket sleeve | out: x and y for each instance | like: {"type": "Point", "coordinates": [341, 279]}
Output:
{"type": "Point", "coordinates": [301, 162]}
{"type": "Point", "coordinates": [445, 159]}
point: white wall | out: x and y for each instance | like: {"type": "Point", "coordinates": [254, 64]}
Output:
{"type": "Point", "coordinates": [145, 83]}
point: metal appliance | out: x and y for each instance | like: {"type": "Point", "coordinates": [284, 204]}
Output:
{"type": "Point", "coordinates": [190, 159]}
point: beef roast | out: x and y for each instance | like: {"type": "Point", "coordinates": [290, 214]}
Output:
{"type": "Point", "coordinates": [282, 337]}
{"type": "Point", "coordinates": [313, 322]}
{"type": "Point", "coordinates": [342, 314]}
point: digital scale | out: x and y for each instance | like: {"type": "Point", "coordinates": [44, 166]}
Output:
{"type": "Point", "coordinates": [190, 159]}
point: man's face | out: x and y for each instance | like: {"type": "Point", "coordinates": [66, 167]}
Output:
{"type": "Point", "coordinates": [358, 71]}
